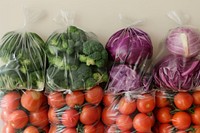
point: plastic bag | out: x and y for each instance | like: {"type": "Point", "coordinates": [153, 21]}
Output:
{"type": "Point", "coordinates": [24, 111]}
{"type": "Point", "coordinates": [78, 111]}
{"type": "Point", "coordinates": [180, 69]}
{"type": "Point", "coordinates": [177, 111]}
{"type": "Point", "coordinates": [76, 60]}
{"type": "Point", "coordinates": [22, 57]}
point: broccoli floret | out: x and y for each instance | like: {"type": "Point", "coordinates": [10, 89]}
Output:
{"type": "Point", "coordinates": [56, 61]}
{"type": "Point", "coordinates": [70, 49]}
{"type": "Point", "coordinates": [100, 77]}
{"type": "Point", "coordinates": [94, 54]}
{"type": "Point", "coordinates": [76, 34]}
{"type": "Point", "coordinates": [90, 82]}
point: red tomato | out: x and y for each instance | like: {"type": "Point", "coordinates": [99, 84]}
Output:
{"type": "Point", "coordinates": [10, 101]}
{"type": "Point", "coordinates": [181, 131]}
{"type": "Point", "coordinates": [99, 127]}
{"type": "Point", "coordinates": [142, 123]}
{"type": "Point", "coordinates": [75, 98]}
{"type": "Point", "coordinates": [196, 97]}
{"type": "Point", "coordinates": [56, 100]}
{"type": "Point", "coordinates": [108, 99]}
{"type": "Point", "coordinates": [70, 118]}
{"type": "Point", "coordinates": [165, 128]}
{"type": "Point", "coordinates": [70, 130]}
{"type": "Point", "coordinates": [163, 115]}
{"type": "Point", "coordinates": [89, 129]}
{"type": "Point", "coordinates": [18, 119]}
{"type": "Point", "coordinates": [196, 116]}
{"type": "Point", "coordinates": [161, 99]}
{"type": "Point", "coordinates": [124, 122]}
{"type": "Point", "coordinates": [94, 95]}
{"type": "Point", "coordinates": [181, 120]}
{"type": "Point", "coordinates": [89, 115]}
{"type": "Point", "coordinates": [52, 116]}
{"type": "Point", "coordinates": [109, 116]}
{"type": "Point", "coordinates": [126, 106]}
{"type": "Point", "coordinates": [31, 129]}
{"type": "Point", "coordinates": [32, 100]}
{"type": "Point", "coordinates": [8, 129]}
{"type": "Point", "coordinates": [5, 115]}
{"type": "Point", "coordinates": [183, 100]}
{"type": "Point", "coordinates": [99, 111]}
{"type": "Point", "coordinates": [146, 103]}
{"type": "Point", "coordinates": [39, 118]}
{"type": "Point", "coordinates": [53, 129]}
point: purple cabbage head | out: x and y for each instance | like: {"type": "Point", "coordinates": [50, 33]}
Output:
{"type": "Point", "coordinates": [130, 45]}
{"type": "Point", "coordinates": [177, 73]}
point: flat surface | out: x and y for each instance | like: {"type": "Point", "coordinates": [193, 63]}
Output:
{"type": "Point", "coordinates": [100, 16]}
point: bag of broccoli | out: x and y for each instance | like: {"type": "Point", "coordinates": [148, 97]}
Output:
{"type": "Point", "coordinates": [22, 57]}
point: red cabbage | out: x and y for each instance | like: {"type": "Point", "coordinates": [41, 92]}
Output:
{"type": "Point", "coordinates": [184, 41]}
{"type": "Point", "coordinates": [130, 45]}
{"type": "Point", "coordinates": [124, 79]}
{"type": "Point", "coordinates": [177, 73]}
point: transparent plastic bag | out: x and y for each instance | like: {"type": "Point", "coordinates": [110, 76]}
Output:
{"type": "Point", "coordinates": [24, 111]}
{"type": "Point", "coordinates": [22, 56]}
{"type": "Point", "coordinates": [77, 111]}
{"type": "Point", "coordinates": [76, 60]}
{"type": "Point", "coordinates": [179, 70]}
{"type": "Point", "coordinates": [177, 112]}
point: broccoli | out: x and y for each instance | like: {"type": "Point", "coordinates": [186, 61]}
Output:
{"type": "Point", "coordinates": [56, 61]}
{"type": "Point", "coordinates": [93, 54]}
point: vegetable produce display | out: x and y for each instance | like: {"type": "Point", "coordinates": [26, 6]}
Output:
{"type": "Point", "coordinates": [76, 61]}
{"type": "Point", "coordinates": [24, 111]}
{"type": "Point", "coordinates": [177, 112]}
{"type": "Point", "coordinates": [23, 61]}
{"type": "Point", "coordinates": [77, 112]}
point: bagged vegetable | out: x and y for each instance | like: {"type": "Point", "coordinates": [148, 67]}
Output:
{"type": "Point", "coordinates": [177, 112]}
{"type": "Point", "coordinates": [76, 60]}
{"type": "Point", "coordinates": [24, 111]}
{"type": "Point", "coordinates": [78, 111]}
{"type": "Point", "coordinates": [22, 57]}
{"type": "Point", "coordinates": [180, 69]}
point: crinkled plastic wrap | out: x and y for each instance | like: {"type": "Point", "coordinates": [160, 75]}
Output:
{"type": "Point", "coordinates": [22, 58]}
{"type": "Point", "coordinates": [78, 111]}
{"type": "Point", "coordinates": [76, 61]}
{"type": "Point", "coordinates": [129, 112]}
{"type": "Point", "coordinates": [177, 112]}
{"type": "Point", "coordinates": [24, 111]}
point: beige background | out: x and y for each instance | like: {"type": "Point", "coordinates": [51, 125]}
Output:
{"type": "Point", "coordinates": [100, 16]}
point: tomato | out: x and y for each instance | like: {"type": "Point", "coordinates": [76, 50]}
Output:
{"type": "Point", "coordinates": [89, 129]}
{"type": "Point", "coordinates": [31, 100]}
{"type": "Point", "coordinates": [196, 116]}
{"type": "Point", "coordinates": [70, 130]}
{"type": "Point", "coordinates": [70, 118]}
{"type": "Point", "coordinates": [94, 95]}
{"type": "Point", "coordinates": [18, 119]}
{"type": "Point", "coordinates": [142, 123]}
{"type": "Point", "coordinates": [5, 115]}
{"type": "Point", "coordinates": [10, 101]}
{"type": "Point", "coordinates": [181, 120]}
{"type": "Point", "coordinates": [108, 99]}
{"type": "Point", "coordinates": [45, 129]}
{"type": "Point", "coordinates": [146, 103]}
{"type": "Point", "coordinates": [31, 129]}
{"type": "Point", "coordinates": [99, 111]}
{"type": "Point", "coordinates": [165, 128]}
{"type": "Point", "coordinates": [52, 116]}
{"type": "Point", "coordinates": [53, 129]}
{"type": "Point", "coordinates": [124, 122]}
{"type": "Point", "coordinates": [75, 98]}
{"type": "Point", "coordinates": [88, 115]}
{"type": "Point", "coordinates": [161, 99]}
{"type": "Point", "coordinates": [8, 129]}
{"type": "Point", "coordinates": [183, 100]}
{"type": "Point", "coordinates": [39, 118]}
{"type": "Point", "coordinates": [109, 116]}
{"type": "Point", "coordinates": [56, 100]}
{"type": "Point", "coordinates": [163, 115]}
{"type": "Point", "coordinates": [99, 127]}
{"type": "Point", "coordinates": [126, 106]}
{"type": "Point", "coordinates": [181, 131]}
{"type": "Point", "coordinates": [196, 97]}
